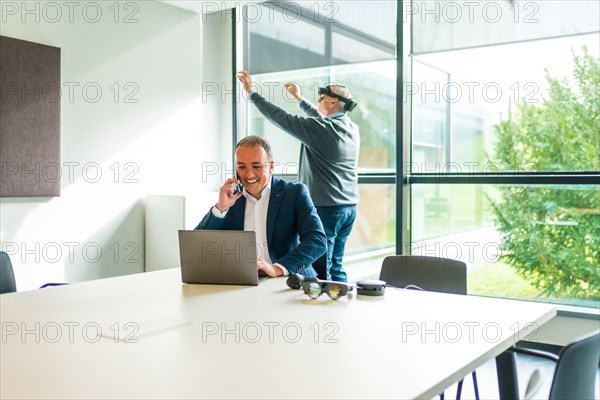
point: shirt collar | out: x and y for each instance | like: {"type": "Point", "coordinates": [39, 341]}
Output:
{"type": "Point", "coordinates": [337, 114]}
{"type": "Point", "coordinates": [265, 192]}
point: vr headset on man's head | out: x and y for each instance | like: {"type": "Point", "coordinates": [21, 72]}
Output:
{"type": "Point", "coordinates": [349, 104]}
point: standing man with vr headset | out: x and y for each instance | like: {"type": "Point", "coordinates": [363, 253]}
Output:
{"type": "Point", "coordinates": [328, 161]}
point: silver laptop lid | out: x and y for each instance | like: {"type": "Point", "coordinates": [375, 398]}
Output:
{"type": "Point", "coordinates": [218, 257]}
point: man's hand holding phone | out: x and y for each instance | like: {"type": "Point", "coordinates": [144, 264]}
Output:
{"type": "Point", "coordinates": [228, 194]}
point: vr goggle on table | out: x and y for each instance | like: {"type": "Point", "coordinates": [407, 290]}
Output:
{"type": "Point", "coordinates": [314, 287]}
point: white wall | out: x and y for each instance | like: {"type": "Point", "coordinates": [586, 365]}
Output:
{"type": "Point", "coordinates": [150, 140]}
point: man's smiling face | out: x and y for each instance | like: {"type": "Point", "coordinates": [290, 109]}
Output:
{"type": "Point", "coordinates": [253, 168]}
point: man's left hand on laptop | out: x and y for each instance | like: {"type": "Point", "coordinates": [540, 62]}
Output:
{"type": "Point", "coordinates": [270, 269]}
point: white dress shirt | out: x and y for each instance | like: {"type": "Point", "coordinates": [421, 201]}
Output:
{"type": "Point", "coordinates": [255, 219]}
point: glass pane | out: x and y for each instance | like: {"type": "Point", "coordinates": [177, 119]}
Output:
{"type": "Point", "coordinates": [524, 242]}
{"type": "Point", "coordinates": [442, 210]}
{"type": "Point", "coordinates": [430, 130]}
{"type": "Point", "coordinates": [374, 18]}
{"type": "Point", "coordinates": [375, 225]}
{"type": "Point", "coordinates": [297, 35]}
{"type": "Point", "coordinates": [372, 86]}
{"type": "Point", "coordinates": [274, 46]}
{"type": "Point", "coordinates": [508, 108]}
{"type": "Point", "coordinates": [349, 50]}
{"type": "Point", "coordinates": [444, 25]}
{"type": "Point", "coordinates": [373, 236]}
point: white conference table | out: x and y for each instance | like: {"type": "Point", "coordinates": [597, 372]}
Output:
{"type": "Point", "coordinates": [164, 339]}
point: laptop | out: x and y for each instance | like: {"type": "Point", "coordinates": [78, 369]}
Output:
{"type": "Point", "coordinates": [219, 257]}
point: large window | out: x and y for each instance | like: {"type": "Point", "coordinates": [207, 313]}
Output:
{"type": "Point", "coordinates": [490, 130]}
{"type": "Point", "coordinates": [504, 162]}
{"type": "Point", "coordinates": [313, 44]}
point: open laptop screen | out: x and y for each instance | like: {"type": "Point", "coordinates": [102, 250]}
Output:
{"type": "Point", "coordinates": [218, 257]}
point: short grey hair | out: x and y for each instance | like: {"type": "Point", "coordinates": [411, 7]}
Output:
{"type": "Point", "coordinates": [253, 141]}
{"type": "Point", "coordinates": [342, 91]}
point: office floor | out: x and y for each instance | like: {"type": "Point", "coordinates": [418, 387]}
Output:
{"type": "Point", "coordinates": [488, 381]}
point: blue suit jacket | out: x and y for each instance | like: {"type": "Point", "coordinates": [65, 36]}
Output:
{"type": "Point", "coordinates": [295, 235]}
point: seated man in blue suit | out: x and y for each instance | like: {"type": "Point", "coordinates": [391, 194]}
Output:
{"type": "Point", "coordinates": [289, 233]}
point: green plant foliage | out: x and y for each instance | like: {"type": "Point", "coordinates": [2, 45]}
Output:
{"type": "Point", "coordinates": [551, 235]}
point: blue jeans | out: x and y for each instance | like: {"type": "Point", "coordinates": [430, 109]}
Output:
{"type": "Point", "coordinates": [337, 221]}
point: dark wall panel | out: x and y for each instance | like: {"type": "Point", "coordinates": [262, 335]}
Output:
{"type": "Point", "coordinates": [29, 119]}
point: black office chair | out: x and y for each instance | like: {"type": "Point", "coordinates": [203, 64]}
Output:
{"type": "Point", "coordinates": [574, 376]}
{"type": "Point", "coordinates": [7, 275]}
{"type": "Point", "coordinates": [8, 283]}
{"type": "Point", "coordinates": [435, 274]}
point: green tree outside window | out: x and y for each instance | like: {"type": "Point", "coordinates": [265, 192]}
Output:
{"type": "Point", "coordinates": [551, 235]}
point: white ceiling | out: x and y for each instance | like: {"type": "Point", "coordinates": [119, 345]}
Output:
{"type": "Point", "coordinates": [207, 6]}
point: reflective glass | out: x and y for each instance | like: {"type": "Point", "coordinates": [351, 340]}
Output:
{"type": "Point", "coordinates": [375, 224]}
{"type": "Point", "coordinates": [507, 108]}
{"type": "Point", "coordinates": [334, 291]}
{"type": "Point", "coordinates": [285, 36]}
{"type": "Point", "coordinates": [526, 242]}
{"type": "Point", "coordinates": [444, 25]}
{"type": "Point", "coordinates": [372, 86]}
{"type": "Point", "coordinates": [313, 290]}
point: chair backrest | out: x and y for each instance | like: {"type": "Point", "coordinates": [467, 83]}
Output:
{"type": "Point", "coordinates": [434, 274]}
{"type": "Point", "coordinates": [7, 276]}
{"type": "Point", "coordinates": [575, 373]}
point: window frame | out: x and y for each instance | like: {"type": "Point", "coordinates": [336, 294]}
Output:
{"type": "Point", "coordinates": [401, 176]}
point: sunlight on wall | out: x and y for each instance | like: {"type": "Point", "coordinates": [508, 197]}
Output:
{"type": "Point", "coordinates": [133, 124]}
